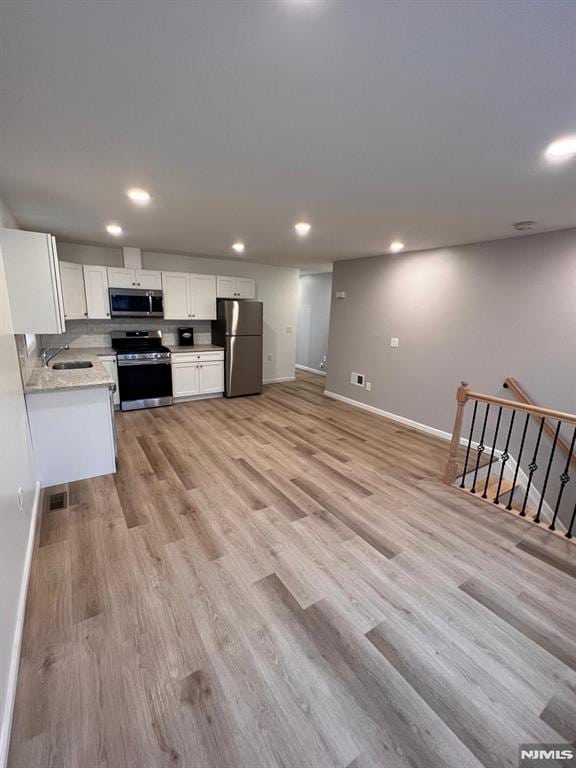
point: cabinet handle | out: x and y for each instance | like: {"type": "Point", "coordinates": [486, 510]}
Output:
{"type": "Point", "coordinates": [133, 283]}
{"type": "Point", "coordinates": [138, 283]}
{"type": "Point", "coordinates": [85, 314]}
{"type": "Point", "coordinates": [193, 315]}
{"type": "Point", "coordinates": [107, 314]}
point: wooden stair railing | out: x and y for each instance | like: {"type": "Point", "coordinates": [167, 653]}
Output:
{"type": "Point", "coordinates": [494, 488]}
{"type": "Point", "coordinates": [522, 395]}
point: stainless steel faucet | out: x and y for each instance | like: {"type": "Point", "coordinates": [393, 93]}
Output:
{"type": "Point", "coordinates": [48, 354]}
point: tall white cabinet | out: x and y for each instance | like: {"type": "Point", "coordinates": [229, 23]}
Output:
{"type": "Point", "coordinates": [33, 280]}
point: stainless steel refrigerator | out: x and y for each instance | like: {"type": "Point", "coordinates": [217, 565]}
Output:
{"type": "Point", "coordinates": [238, 328]}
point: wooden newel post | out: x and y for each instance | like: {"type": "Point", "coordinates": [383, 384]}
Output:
{"type": "Point", "coordinates": [452, 467]}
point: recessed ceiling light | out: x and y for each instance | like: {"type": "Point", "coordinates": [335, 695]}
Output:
{"type": "Point", "coordinates": [238, 247]}
{"type": "Point", "coordinates": [396, 246]}
{"type": "Point", "coordinates": [522, 226]}
{"type": "Point", "coordinates": [562, 149]}
{"type": "Point", "coordinates": [139, 196]}
{"type": "Point", "coordinates": [114, 229]}
{"type": "Point", "coordinates": [302, 228]}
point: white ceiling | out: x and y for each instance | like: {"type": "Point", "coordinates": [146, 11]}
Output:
{"type": "Point", "coordinates": [422, 120]}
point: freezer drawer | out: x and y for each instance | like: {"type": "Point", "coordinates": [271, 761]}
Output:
{"type": "Point", "coordinates": [243, 366]}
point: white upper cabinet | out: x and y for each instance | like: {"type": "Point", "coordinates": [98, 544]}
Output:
{"type": "Point", "coordinates": [235, 288]}
{"type": "Point", "coordinates": [96, 287]}
{"type": "Point", "coordinates": [120, 277]}
{"type": "Point", "coordinates": [72, 277]}
{"type": "Point", "coordinates": [149, 279]}
{"type": "Point", "coordinates": [226, 287]}
{"type": "Point", "coordinates": [176, 295]}
{"type": "Point", "coordinates": [189, 297]}
{"type": "Point", "coordinates": [203, 297]}
{"type": "Point", "coordinates": [246, 288]}
{"type": "Point", "coordinates": [33, 281]}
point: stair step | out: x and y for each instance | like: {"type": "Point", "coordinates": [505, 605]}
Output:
{"type": "Point", "coordinates": [492, 487]}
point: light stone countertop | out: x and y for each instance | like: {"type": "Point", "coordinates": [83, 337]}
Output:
{"type": "Point", "coordinates": [194, 348]}
{"type": "Point", "coordinates": [38, 378]}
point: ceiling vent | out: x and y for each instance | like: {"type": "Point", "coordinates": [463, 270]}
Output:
{"type": "Point", "coordinates": [522, 226]}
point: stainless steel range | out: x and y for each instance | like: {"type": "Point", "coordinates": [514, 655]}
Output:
{"type": "Point", "coordinates": [144, 369]}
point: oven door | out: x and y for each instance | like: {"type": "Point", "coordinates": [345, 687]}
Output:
{"type": "Point", "coordinates": [144, 384]}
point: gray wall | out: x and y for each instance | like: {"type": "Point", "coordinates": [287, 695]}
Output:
{"type": "Point", "coordinates": [478, 312]}
{"type": "Point", "coordinates": [313, 319]}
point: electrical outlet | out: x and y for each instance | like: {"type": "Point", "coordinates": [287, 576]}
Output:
{"type": "Point", "coordinates": [368, 386]}
{"type": "Point", "coordinates": [288, 329]}
{"type": "Point", "coordinates": [269, 356]}
{"type": "Point", "coordinates": [340, 294]}
{"type": "Point", "coordinates": [357, 379]}
{"type": "Point", "coordinates": [20, 498]}
{"type": "Point", "coordinates": [394, 342]}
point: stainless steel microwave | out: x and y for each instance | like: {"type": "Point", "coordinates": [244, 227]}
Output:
{"type": "Point", "coordinates": [136, 302]}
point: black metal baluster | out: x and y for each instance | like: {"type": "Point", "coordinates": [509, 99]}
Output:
{"type": "Point", "coordinates": [485, 495]}
{"type": "Point", "coordinates": [463, 483]}
{"type": "Point", "coordinates": [509, 505]}
{"type": "Point", "coordinates": [564, 478]}
{"type": "Point", "coordinates": [568, 533]}
{"type": "Point", "coordinates": [480, 448]}
{"type": "Point", "coordinates": [504, 458]}
{"type": "Point", "coordinates": [532, 467]}
{"type": "Point", "coordinates": [548, 468]}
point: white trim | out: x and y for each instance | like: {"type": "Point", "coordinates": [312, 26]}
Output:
{"type": "Point", "coordinates": [277, 381]}
{"type": "Point", "coordinates": [310, 370]}
{"type": "Point", "coordinates": [6, 725]}
{"type": "Point", "coordinates": [401, 419]}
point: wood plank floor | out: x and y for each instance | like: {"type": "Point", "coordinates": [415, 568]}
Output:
{"type": "Point", "coordinates": [283, 581]}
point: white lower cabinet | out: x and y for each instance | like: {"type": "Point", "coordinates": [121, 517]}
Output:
{"type": "Point", "coordinates": [111, 364]}
{"type": "Point", "coordinates": [185, 379]}
{"type": "Point", "coordinates": [211, 378]}
{"type": "Point", "coordinates": [197, 374]}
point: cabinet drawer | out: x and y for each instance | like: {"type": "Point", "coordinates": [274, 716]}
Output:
{"type": "Point", "coordinates": [197, 357]}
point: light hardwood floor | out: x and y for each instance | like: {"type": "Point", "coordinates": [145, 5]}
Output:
{"type": "Point", "coordinates": [283, 581]}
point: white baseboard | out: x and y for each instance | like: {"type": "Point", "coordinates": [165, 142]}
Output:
{"type": "Point", "coordinates": [394, 417]}
{"type": "Point", "coordinates": [310, 370]}
{"type": "Point", "coordinates": [277, 381]}
{"type": "Point", "coordinates": [17, 640]}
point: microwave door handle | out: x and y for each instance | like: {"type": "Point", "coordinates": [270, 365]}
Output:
{"type": "Point", "coordinates": [149, 303]}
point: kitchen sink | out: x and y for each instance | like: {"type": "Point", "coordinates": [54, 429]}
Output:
{"type": "Point", "coordinates": [72, 365]}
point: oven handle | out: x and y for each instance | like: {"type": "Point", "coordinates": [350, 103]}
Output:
{"type": "Point", "coordinates": [122, 363]}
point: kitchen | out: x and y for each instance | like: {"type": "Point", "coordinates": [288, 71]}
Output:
{"type": "Point", "coordinates": [121, 336]}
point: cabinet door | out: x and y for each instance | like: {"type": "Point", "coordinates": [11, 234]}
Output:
{"type": "Point", "coordinates": [96, 286]}
{"type": "Point", "coordinates": [33, 281]}
{"type": "Point", "coordinates": [203, 297]}
{"type": "Point", "coordinates": [211, 377]}
{"type": "Point", "coordinates": [185, 379]}
{"type": "Point", "coordinates": [111, 366]}
{"type": "Point", "coordinates": [72, 277]}
{"type": "Point", "coordinates": [149, 279]}
{"type": "Point", "coordinates": [245, 288]}
{"type": "Point", "coordinates": [176, 287]}
{"type": "Point", "coordinates": [226, 287]}
{"type": "Point", "coordinates": [119, 277]}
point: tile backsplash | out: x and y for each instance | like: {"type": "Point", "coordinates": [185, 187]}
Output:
{"type": "Point", "coordinates": [96, 333]}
